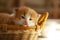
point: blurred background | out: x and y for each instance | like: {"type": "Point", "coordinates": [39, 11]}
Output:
{"type": "Point", "coordinates": [51, 6]}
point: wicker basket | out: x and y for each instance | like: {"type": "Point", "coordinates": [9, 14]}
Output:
{"type": "Point", "coordinates": [7, 32]}
{"type": "Point", "coordinates": [17, 32]}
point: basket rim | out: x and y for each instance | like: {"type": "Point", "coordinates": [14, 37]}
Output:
{"type": "Point", "coordinates": [16, 27]}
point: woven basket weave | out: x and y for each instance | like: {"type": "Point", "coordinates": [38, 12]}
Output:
{"type": "Point", "coordinates": [13, 35]}
{"type": "Point", "coordinates": [6, 33]}
{"type": "Point", "coordinates": [17, 32]}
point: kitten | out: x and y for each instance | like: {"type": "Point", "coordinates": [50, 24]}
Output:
{"type": "Point", "coordinates": [26, 16]}
{"type": "Point", "coordinates": [22, 16]}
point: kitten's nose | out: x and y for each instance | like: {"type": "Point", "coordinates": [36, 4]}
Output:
{"type": "Point", "coordinates": [25, 22]}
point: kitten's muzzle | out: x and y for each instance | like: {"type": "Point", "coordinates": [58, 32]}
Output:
{"type": "Point", "coordinates": [25, 22]}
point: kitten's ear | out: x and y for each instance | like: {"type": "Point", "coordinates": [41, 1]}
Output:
{"type": "Point", "coordinates": [15, 11]}
{"type": "Point", "coordinates": [42, 19]}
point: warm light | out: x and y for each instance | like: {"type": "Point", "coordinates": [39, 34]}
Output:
{"type": "Point", "coordinates": [53, 34]}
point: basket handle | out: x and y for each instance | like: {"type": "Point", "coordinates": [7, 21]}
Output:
{"type": "Point", "coordinates": [42, 19]}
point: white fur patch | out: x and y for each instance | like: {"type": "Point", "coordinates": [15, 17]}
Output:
{"type": "Point", "coordinates": [12, 14]}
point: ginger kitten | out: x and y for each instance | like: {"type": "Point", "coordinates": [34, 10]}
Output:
{"type": "Point", "coordinates": [26, 16]}
{"type": "Point", "coordinates": [22, 16]}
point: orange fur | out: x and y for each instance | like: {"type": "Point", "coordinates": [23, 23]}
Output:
{"type": "Point", "coordinates": [24, 10]}
{"type": "Point", "coordinates": [7, 19]}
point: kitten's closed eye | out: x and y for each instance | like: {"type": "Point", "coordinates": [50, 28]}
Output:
{"type": "Point", "coordinates": [23, 17]}
{"type": "Point", "coordinates": [30, 19]}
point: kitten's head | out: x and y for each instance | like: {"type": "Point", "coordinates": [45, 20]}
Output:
{"type": "Point", "coordinates": [26, 16]}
